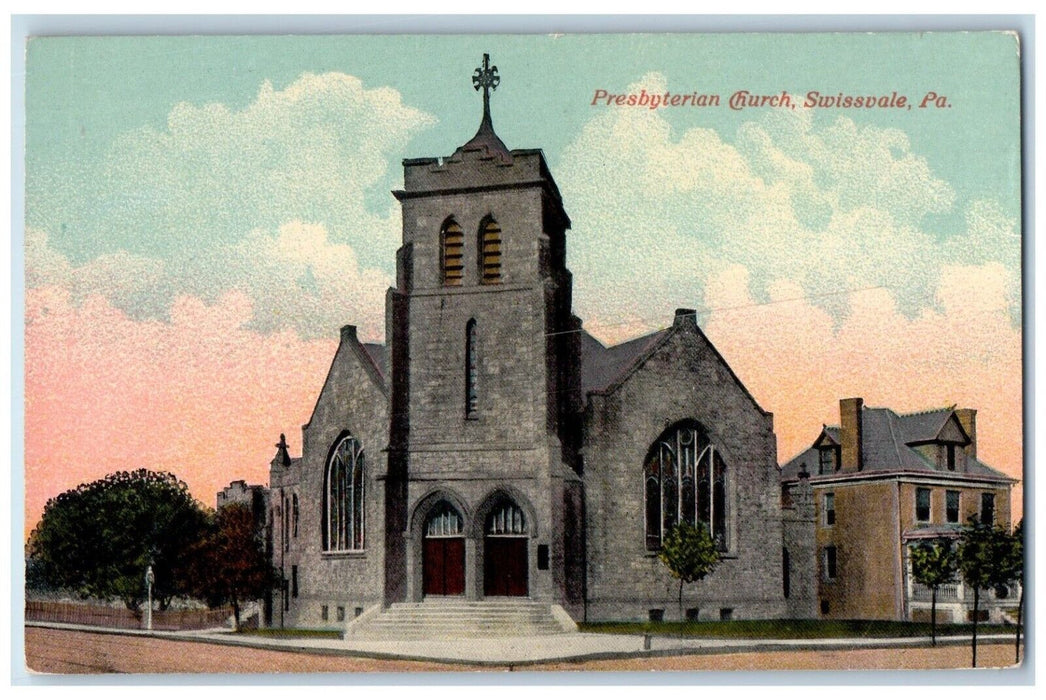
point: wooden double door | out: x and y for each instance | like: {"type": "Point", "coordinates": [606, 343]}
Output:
{"type": "Point", "coordinates": [444, 566]}
{"type": "Point", "coordinates": [505, 570]}
{"type": "Point", "coordinates": [505, 566]}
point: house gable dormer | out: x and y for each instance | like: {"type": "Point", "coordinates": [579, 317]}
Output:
{"type": "Point", "coordinates": [946, 446]}
{"type": "Point", "coordinates": [829, 451]}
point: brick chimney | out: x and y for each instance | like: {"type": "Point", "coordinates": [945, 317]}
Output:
{"type": "Point", "coordinates": [968, 419]}
{"type": "Point", "coordinates": [851, 434]}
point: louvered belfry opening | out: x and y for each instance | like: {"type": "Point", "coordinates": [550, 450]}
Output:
{"type": "Point", "coordinates": [453, 245]}
{"type": "Point", "coordinates": [490, 252]}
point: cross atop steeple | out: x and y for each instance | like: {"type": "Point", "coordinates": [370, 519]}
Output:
{"type": "Point", "coordinates": [487, 78]}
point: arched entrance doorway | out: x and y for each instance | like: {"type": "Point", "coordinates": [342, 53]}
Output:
{"type": "Point", "coordinates": [505, 563]}
{"type": "Point", "coordinates": [443, 554]}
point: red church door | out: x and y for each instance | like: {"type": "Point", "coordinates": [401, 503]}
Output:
{"type": "Point", "coordinates": [505, 566]}
{"type": "Point", "coordinates": [443, 552]}
{"type": "Point", "coordinates": [444, 565]}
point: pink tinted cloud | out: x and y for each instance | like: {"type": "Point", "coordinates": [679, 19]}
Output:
{"type": "Point", "coordinates": [798, 363]}
{"type": "Point", "coordinates": [206, 398]}
{"type": "Point", "coordinates": [201, 396]}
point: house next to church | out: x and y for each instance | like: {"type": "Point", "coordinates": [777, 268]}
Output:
{"type": "Point", "coordinates": [868, 490]}
{"type": "Point", "coordinates": [492, 450]}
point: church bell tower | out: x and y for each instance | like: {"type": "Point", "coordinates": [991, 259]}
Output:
{"type": "Point", "coordinates": [484, 480]}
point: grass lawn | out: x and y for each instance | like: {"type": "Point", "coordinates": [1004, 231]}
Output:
{"type": "Point", "coordinates": [789, 629]}
{"type": "Point", "coordinates": [291, 633]}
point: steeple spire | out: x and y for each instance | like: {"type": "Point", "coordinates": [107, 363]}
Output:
{"type": "Point", "coordinates": [486, 78]}
{"type": "Point", "coordinates": [283, 457]}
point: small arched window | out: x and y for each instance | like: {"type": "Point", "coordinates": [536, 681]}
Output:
{"type": "Point", "coordinates": [490, 252]}
{"type": "Point", "coordinates": [507, 519]}
{"type": "Point", "coordinates": [343, 498]}
{"type": "Point", "coordinates": [471, 371]}
{"type": "Point", "coordinates": [684, 478]}
{"type": "Point", "coordinates": [445, 521]}
{"type": "Point", "coordinates": [452, 240]}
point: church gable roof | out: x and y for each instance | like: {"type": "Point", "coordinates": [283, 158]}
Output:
{"type": "Point", "coordinates": [370, 357]}
{"type": "Point", "coordinates": [379, 355]}
{"type": "Point", "coordinates": [603, 367]}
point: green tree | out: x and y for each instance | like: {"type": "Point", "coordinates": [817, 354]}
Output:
{"type": "Point", "coordinates": [1018, 552]}
{"type": "Point", "coordinates": [988, 558]}
{"type": "Point", "coordinates": [232, 566]}
{"type": "Point", "coordinates": [99, 538]}
{"type": "Point", "coordinates": [690, 554]}
{"type": "Point", "coordinates": [934, 564]}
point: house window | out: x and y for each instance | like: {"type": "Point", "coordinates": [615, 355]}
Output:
{"type": "Point", "coordinates": [324, 613]}
{"type": "Point", "coordinates": [294, 582]}
{"type": "Point", "coordinates": [294, 514]}
{"type": "Point", "coordinates": [490, 252]}
{"type": "Point", "coordinates": [826, 460]}
{"type": "Point", "coordinates": [343, 496]}
{"type": "Point", "coordinates": [950, 457]}
{"type": "Point", "coordinates": [471, 371]}
{"type": "Point", "coordinates": [830, 563]}
{"type": "Point", "coordinates": [922, 505]}
{"type": "Point", "coordinates": [828, 506]}
{"type": "Point", "coordinates": [786, 572]}
{"type": "Point", "coordinates": [452, 241]}
{"type": "Point", "coordinates": [988, 508]}
{"type": "Point", "coordinates": [951, 506]}
{"type": "Point", "coordinates": [685, 479]}
{"type": "Point", "coordinates": [341, 613]}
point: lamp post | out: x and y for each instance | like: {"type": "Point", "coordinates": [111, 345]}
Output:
{"type": "Point", "coordinates": [149, 578]}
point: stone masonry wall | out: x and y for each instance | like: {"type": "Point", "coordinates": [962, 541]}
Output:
{"type": "Point", "coordinates": [683, 378]}
{"type": "Point", "coordinates": [351, 400]}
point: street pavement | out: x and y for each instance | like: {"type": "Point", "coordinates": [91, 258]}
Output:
{"type": "Point", "coordinates": [503, 651]}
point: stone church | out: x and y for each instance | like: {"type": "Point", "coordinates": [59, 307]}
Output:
{"type": "Point", "coordinates": [493, 450]}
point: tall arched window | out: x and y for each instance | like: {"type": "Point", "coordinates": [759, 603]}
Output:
{"type": "Point", "coordinates": [490, 252]}
{"type": "Point", "coordinates": [684, 478]}
{"type": "Point", "coordinates": [471, 370]}
{"type": "Point", "coordinates": [294, 514]}
{"type": "Point", "coordinates": [343, 498]}
{"type": "Point", "coordinates": [452, 240]}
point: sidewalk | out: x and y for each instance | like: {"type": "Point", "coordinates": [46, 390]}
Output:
{"type": "Point", "coordinates": [502, 651]}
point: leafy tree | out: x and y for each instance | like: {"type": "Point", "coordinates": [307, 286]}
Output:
{"type": "Point", "coordinates": [1018, 552]}
{"type": "Point", "coordinates": [690, 554]}
{"type": "Point", "coordinates": [934, 564]}
{"type": "Point", "coordinates": [988, 558]}
{"type": "Point", "coordinates": [99, 538]}
{"type": "Point", "coordinates": [232, 566]}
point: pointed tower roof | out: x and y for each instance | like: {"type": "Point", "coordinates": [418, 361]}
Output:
{"type": "Point", "coordinates": [486, 78]}
{"type": "Point", "coordinates": [283, 457]}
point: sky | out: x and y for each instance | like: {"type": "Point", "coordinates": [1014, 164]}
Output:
{"type": "Point", "coordinates": [204, 213]}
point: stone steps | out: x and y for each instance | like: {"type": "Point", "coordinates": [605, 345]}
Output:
{"type": "Point", "coordinates": [450, 617]}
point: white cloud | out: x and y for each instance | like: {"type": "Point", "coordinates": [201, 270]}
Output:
{"type": "Point", "coordinates": [833, 208]}
{"type": "Point", "coordinates": [292, 278]}
{"type": "Point", "coordinates": [273, 199]}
